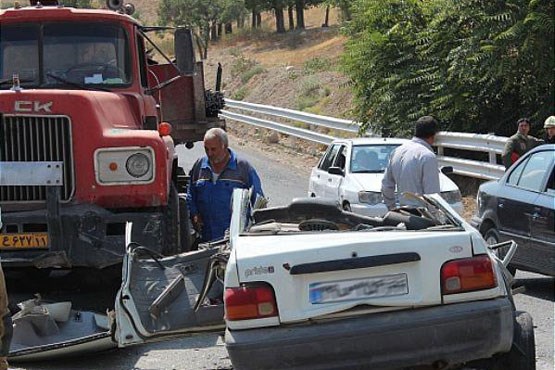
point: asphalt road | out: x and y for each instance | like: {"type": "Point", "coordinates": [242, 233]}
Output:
{"type": "Point", "coordinates": [281, 184]}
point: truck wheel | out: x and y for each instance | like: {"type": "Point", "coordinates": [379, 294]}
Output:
{"type": "Point", "coordinates": [171, 237]}
{"type": "Point", "coordinates": [522, 355]}
{"type": "Point", "coordinates": [185, 225]}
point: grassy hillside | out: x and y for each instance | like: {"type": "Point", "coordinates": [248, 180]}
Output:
{"type": "Point", "coordinates": [297, 70]}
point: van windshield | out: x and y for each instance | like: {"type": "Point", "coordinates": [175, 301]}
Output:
{"type": "Point", "coordinates": [54, 54]}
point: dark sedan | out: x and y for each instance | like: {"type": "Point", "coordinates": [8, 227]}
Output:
{"type": "Point", "coordinates": [520, 206]}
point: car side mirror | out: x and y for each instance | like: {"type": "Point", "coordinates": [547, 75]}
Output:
{"type": "Point", "coordinates": [336, 171]}
{"type": "Point", "coordinates": [447, 170]}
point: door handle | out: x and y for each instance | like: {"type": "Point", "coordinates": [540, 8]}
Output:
{"type": "Point", "coordinates": [533, 216]}
{"type": "Point", "coordinates": [501, 205]}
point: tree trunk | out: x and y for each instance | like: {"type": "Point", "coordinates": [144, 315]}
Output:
{"type": "Point", "coordinates": [228, 28]}
{"type": "Point", "coordinates": [214, 32]}
{"type": "Point", "coordinates": [241, 22]}
{"type": "Point", "coordinates": [258, 20]}
{"type": "Point", "coordinates": [291, 18]}
{"type": "Point", "coordinates": [253, 20]}
{"type": "Point", "coordinates": [299, 7]}
{"type": "Point", "coordinates": [280, 20]}
{"type": "Point", "coordinates": [220, 30]}
{"type": "Point", "coordinates": [327, 18]}
{"type": "Point", "coordinates": [346, 13]}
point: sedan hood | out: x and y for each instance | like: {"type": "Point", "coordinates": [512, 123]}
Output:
{"type": "Point", "coordinates": [373, 182]}
{"type": "Point", "coordinates": [368, 181]}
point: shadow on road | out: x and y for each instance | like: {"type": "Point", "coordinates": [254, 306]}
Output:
{"type": "Point", "coordinates": [537, 286]}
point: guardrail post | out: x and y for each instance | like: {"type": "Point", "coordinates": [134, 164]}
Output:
{"type": "Point", "coordinates": [440, 150]}
{"type": "Point", "coordinates": [492, 157]}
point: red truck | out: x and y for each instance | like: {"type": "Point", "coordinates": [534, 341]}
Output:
{"type": "Point", "coordinates": [89, 125]}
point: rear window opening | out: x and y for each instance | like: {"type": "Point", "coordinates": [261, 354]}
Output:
{"type": "Point", "coordinates": [317, 215]}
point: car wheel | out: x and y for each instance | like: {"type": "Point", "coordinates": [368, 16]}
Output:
{"type": "Point", "coordinates": [491, 236]}
{"type": "Point", "coordinates": [346, 207]}
{"type": "Point", "coordinates": [522, 355]}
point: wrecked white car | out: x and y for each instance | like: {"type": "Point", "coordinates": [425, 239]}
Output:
{"type": "Point", "coordinates": [310, 286]}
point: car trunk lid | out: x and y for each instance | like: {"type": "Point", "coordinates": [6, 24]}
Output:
{"type": "Point", "coordinates": [317, 274]}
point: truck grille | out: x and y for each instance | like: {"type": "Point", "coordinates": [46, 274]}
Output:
{"type": "Point", "coordinates": [36, 139]}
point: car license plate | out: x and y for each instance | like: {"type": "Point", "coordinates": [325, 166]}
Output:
{"type": "Point", "coordinates": [357, 289]}
{"type": "Point", "coordinates": [24, 241]}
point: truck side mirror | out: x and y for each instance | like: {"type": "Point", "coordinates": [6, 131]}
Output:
{"type": "Point", "coordinates": [184, 51]}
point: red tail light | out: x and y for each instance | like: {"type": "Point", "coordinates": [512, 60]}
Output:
{"type": "Point", "coordinates": [467, 274]}
{"type": "Point", "coordinates": [250, 302]}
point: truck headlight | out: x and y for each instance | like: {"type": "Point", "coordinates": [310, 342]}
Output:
{"type": "Point", "coordinates": [137, 165]}
{"type": "Point", "coordinates": [451, 197]}
{"type": "Point", "coordinates": [130, 165]}
{"type": "Point", "coordinates": [370, 197]}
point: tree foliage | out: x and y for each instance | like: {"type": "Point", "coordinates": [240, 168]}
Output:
{"type": "Point", "coordinates": [200, 15]}
{"type": "Point", "coordinates": [477, 65]}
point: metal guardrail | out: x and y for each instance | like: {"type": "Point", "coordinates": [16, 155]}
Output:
{"type": "Point", "coordinates": [491, 144]}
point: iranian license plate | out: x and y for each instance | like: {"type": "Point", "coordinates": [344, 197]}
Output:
{"type": "Point", "coordinates": [24, 241]}
{"type": "Point", "coordinates": [357, 289]}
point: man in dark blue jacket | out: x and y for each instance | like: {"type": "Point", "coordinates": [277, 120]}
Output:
{"type": "Point", "coordinates": [213, 179]}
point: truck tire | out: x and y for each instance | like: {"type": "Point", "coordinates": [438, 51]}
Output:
{"type": "Point", "coordinates": [186, 227]}
{"type": "Point", "coordinates": [177, 236]}
{"type": "Point", "coordinates": [171, 231]}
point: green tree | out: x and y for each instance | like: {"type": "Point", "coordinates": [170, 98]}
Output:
{"type": "Point", "coordinates": [199, 15]}
{"type": "Point", "coordinates": [78, 3]}
{"type": "Point", "coordinates": [344, 6]}
{"type": "Point", "coordinates": [477, 65]}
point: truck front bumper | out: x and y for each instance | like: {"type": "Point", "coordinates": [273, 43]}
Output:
{"type": "Point", "coordinates": [448, 334]}
{"type": "Point", "coordinates": [80, 236]}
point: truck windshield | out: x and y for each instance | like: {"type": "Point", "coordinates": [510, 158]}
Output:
{"type": "Point", "coordinates": [68, 54]}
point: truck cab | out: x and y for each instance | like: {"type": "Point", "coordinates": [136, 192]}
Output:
{"type": "Point", "coordinates": [79, 95]}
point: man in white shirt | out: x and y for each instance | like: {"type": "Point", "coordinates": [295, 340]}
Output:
{"type": "Point", "coordinates": [413, 166]}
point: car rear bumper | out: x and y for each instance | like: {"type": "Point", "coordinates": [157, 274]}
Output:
{"type": "Point", "coordinates": [451, 334]}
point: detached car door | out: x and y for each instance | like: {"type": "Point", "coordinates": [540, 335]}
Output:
{"type": "Point", "coordinates": [158, 296]}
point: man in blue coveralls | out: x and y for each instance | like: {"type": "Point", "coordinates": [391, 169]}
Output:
{"type": "Point", "coordinates": [213, 179]}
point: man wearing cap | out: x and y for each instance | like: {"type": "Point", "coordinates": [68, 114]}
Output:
{"type": "Point", "coordinates": [413, 166]}
{"type": "Point", "coordinates": [549, 127]}
{"type": "Point", "coordinates": [519, 143]}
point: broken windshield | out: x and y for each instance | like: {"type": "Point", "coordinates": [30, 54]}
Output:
{"type": "Point", "coordinates": [71, 55]}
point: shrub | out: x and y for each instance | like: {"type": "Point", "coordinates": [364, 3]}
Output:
{"type": "Point", "coordinates": [239, 94]}
{"type": "Point", "coordinates": [316, 64]}
{"type": "Point", "coordinates": [245, 77]}
{"type": "Point", "coordinates": [241, 65]}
